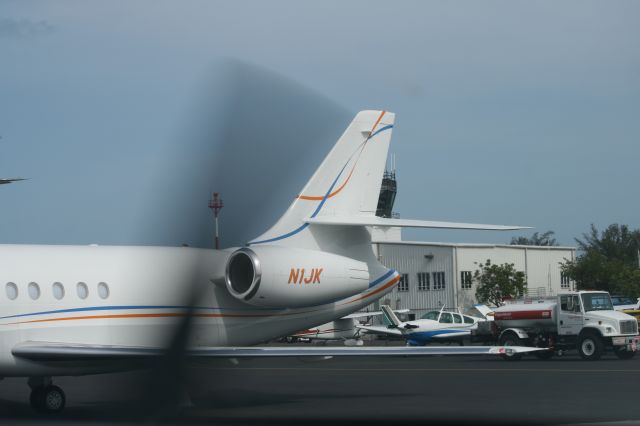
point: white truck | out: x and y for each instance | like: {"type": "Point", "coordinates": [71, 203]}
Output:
{"type": "Point", "coordinates": [583, 320]}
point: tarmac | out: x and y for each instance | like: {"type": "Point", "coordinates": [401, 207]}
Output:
{"type": "Point", "coordinates": [373, 390]}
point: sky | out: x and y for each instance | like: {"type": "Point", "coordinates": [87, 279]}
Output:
{"type": "Point", "coordinates": [125, 116]}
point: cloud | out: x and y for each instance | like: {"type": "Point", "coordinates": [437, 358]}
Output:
{"type": "Point", "coordinates": [24, 28]}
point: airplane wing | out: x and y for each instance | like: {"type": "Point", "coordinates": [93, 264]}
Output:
{"type": "Point", "coordinates": [373, 313]}
{"type": "Point", "coordinates": [380, 329]}
{"type": "Point", "coordinates": [48, 351]}
{"type": "Point", "coordinates": [409, 223]}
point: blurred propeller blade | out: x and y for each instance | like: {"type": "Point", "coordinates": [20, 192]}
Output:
{"type": "Point", "coordinates": [255, 140]}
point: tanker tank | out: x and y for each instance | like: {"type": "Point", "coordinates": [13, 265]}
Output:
{"type": "Point", "coordinates": [538, 315]}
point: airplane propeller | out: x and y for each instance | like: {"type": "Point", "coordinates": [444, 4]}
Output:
{"type": "Point", "coordinates": [254, 145]}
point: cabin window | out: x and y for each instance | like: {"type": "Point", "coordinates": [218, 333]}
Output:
{"type": "Point", "coordinates": [431, 315]}
{"type": "Point", "coordinates": [83, 290]}
{"type": "Point", "coordinates": [468, 320]}
{"type": "Point", "coordinates": [12, 291]}
{"type": "Point", "coordinates": [457, 319]}
{"type": "Point", "coordinates": [446, 318]}
{"type": "Point", "coordinates": [103, 290]}
{"type": "Point", "coordinates": [34, 291]}
{"type": "Point", "coordinates": [58, 290]}
{"type": "Point", "coordinates": [570, 303]}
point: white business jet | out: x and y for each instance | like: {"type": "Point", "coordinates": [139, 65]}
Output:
{"type": "Point", "coordinates": [434, 326]}
{"type": "Point", "coordinates": [77, 310]}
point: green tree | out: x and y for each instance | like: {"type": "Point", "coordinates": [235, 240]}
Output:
{"type": "Point", "coordinates": [608, 260]}
{"type": "Point", "coordinates": [536, 239]}
{"type": "Point", "coordinates": [498, 282]}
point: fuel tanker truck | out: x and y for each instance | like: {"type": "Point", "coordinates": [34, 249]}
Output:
{"type": "Point", "coordinates": [583, 320]}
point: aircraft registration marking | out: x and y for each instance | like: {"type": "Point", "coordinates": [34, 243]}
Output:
{"type": "Point", "coordinates": [296, 276]}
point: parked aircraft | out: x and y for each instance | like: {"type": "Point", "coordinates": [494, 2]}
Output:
{"type": "Point", "coordinates": [77, 310]}
{"type": "Point", "coordinates": [4, 181]}
{"type": "Point", "coordinates": [344, 329]}
{"type": "Point", "coordinates": [438, 325]}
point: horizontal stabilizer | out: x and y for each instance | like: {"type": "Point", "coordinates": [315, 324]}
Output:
{"type": "Point", "coordinates": [404, 223]}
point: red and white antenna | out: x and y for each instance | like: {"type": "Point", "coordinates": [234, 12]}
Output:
{"type": "Point", "coordinates": [216, 204]}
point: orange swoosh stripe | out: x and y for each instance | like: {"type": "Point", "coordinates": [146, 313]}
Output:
{"type": "Point", "coordinates": [384, 287]}
{"type": "Point", "coordinates": [321, 197]}
{"type": "Point", "coordinates": [158, 315]}
{"type": "Point", "coordinates": [176, 314]}
{"type": "Point", "coordinates": [377, 122]}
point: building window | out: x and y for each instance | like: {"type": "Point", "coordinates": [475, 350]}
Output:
{"type": "Point", "coordinates": [424, 282]}
{"type": "Point", "coordinates": [465, 280]}
{"type": "Point", "coordinates": [438, 280]}
{"type": "Point", "coordinates": [564, 280]}
{"type": "Point", "coordinates": [403, 285]}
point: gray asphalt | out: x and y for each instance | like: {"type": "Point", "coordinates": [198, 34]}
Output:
{"type": "Point", "coordinates": [437, 389]}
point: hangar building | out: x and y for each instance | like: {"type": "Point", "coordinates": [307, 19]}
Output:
{"type": "Point", "coordinates": [437, 274]}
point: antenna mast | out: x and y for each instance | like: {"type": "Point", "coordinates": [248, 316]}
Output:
{"type": "Point", "coordinates": [216, 204]}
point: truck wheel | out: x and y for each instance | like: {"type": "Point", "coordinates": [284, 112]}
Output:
{"type": "Point", "coordinates": [510, 339]}
{"type": "Point", "coordinates": [623, 353]}
{"type": "Point", "coordinates": [590, 346]}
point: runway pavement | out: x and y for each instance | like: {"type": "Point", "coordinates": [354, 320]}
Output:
{"type": "Point", "coordinates": [436, 389]}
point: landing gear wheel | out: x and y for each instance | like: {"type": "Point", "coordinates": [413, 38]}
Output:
{"type": "Point", "coordinates": [510, 339]}
{"type": "Point", "coordinates": [590, 346]}
{"type": "Point", "coordinates": [623, 353]}
{"type": "Point", "coordinates": [47, 399]}
{"type": "Point", "coordinates": [543, 354]}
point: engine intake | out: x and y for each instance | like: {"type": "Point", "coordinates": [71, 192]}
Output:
{"type": "Point", "coordinates": [243, 273]}
{"type": "Point", "coordinates": [280, 277]}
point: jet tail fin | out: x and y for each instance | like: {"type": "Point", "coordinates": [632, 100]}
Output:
{"type": "Point", "coordinates": [347, 183]}
{"type": "Point", "coordinates": [390, 316]}
{"type": "Point", "coordinates": [483, 309]}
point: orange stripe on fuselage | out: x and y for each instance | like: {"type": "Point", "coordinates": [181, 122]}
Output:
{"type": "Point", "coordinates": [177, 314]}
{"type": "Point", "coordinates": [163, 315]}
{"type": "Point", "coordinates": [321, 197]}
{"type": "Point", "coordinates": [384, 287]}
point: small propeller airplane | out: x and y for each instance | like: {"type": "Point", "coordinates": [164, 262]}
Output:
{"type": "Point", "coordinates": [78, 310]}
{"type": "Point", "coordinates": [344, 329]}
{"type": "Point", "coordinates": [437, 325]}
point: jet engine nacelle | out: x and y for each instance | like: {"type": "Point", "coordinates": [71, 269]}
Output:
{"type": "Point", "coordinates": [280, 277]}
